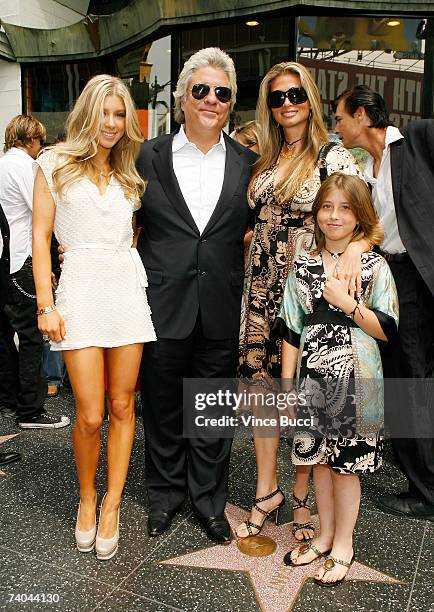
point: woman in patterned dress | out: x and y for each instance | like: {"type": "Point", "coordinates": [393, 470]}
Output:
{"type": "Point", "coordinates": [284, 183]}
{"type": "Point", "coordinates": [329, 342]}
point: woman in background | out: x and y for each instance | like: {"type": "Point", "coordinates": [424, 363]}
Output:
{"type": "Point", "coordinates": [247, 135]}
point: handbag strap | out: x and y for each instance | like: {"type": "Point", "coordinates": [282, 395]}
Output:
{"type": "Point", "coordinates": [322, 162]}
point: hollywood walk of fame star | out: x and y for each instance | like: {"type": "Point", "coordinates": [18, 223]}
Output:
{"type": "Point", "coordinates": [5, 439]}
{"type": "Point", "coordinates": [276, 586]}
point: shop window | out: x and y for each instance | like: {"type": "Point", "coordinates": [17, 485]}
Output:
{"type": "Point", "coordinates": [253, 48]}
{"type": "Point", "coordinates": [50, 91]}
{"type": "Point", "coordinates": [146, 70]}
{"type": "Point", "coordinates": [381, 52]}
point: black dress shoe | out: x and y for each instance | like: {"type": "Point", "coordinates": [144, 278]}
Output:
{"type": "Point", "coordinates": [216, 528]}
{"type": "Point", "coordinates": [159, 521]}
{"type": "Point", "coordinates": [406, 505]}
{"type": "Point", "coordinates": [8, 412]}
{"type": "Point", "coordinates": [6, 458]}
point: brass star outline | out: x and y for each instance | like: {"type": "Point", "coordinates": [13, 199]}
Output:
{"type": "Point", "coordinates": [275, 585]}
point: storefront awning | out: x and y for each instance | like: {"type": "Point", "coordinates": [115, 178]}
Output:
{"type": "Point", "coordinates": [96, 36]}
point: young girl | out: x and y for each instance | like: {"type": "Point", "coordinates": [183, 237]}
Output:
{"type": "Point", "coordinates": [329, 338]}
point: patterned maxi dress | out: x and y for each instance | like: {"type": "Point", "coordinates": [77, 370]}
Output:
{"type": "Point", "coordinates": [339, 374]}
{"type": "Point", "coordinates": [282, 231]}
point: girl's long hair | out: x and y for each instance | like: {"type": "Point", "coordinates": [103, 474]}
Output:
{"type": "Point", "coordinates": [359, 198]}
{"type": "Point", "coordinates": [83, 128]}
{"type": "Point", "coordinates": [271, 135]}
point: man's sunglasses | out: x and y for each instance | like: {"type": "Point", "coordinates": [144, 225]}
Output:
{"type": "Point", "coordinates": [296, 95]}
{"type": "Point", "coordinates": [200, 91]}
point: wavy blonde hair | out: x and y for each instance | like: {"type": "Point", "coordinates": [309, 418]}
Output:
{"type": "Point", "coordinates": [359, 198]}
{"type": "Point", "coordinates": [82, 132]}
{"type": "Point", "coordinates": [246, 134]}
{"type": "Point", "coordinates": [271, 135]}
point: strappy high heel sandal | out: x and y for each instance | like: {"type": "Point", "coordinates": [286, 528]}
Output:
{"type": "Point", "coordinates": [265, 514]}
{"type": "Point", "coordinates": [301, 503]}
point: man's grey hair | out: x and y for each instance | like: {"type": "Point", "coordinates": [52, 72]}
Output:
{"type": "Point", "coordinates": [211, 56]}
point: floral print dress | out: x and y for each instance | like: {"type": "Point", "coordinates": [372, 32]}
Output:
{"type": "Point", "coordinates": [282, 230]}
{"type": "Point", "coordinates": [339, 374]}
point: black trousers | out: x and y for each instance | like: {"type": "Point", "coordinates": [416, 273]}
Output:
{"type": "Point", "coordinates": [412, 357]}
{"type": "Point", "coordinates": [176, 465]}
{"type": "Point", "coordinates": [23, 385]}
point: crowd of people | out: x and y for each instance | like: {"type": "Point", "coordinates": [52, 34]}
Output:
{"type": "Point", "coordinates": [268, 256]}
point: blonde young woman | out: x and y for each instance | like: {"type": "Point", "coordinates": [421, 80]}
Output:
{"type": "Point", "coordinates": [283, 187]}
{"type": "Point", "coordinates": [87, 189]}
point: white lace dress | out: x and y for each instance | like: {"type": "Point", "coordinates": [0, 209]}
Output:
{"type": "Point", "coordinates": [102, 288]}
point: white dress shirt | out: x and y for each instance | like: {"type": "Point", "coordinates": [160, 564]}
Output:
{"type": "Point", "coordinates": [16, 197]}
{"type": "Point", "coordinates": [200, 175]}
{"type": "Point", "coordinates": [382, 195]}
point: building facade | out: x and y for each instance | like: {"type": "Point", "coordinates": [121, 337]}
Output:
{"type": "Point", "coordinates": [389, 46]}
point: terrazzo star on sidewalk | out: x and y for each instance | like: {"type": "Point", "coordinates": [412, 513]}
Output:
{"type": "Point", "coordinates": [194, 218]}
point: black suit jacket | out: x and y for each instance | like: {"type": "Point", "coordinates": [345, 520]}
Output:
{"type": "Point", "coordinates": [5, 264]}
{"type": "Point", "coordinates": [412, 164]}
{"type": "Point", "coordinates": [187, 271]}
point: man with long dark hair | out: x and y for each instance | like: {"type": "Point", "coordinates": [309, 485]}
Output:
{"type": "Point", "coordinates": [401, 173]}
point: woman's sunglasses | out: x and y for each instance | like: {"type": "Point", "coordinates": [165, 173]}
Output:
{"type": "Point", "coordinates": [200, 91]}
{"type": "Point", "coordinates": [296, 95]}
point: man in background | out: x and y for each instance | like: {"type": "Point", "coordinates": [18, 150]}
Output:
{"type": "Point", "coordinates": [23, 386]}
{"type": "Point", "coordinates": [7, 457]}
{"type": "Point", "coordinates": [401, 172]}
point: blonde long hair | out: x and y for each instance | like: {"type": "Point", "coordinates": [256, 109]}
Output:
{"type": "Point", "coordinates": [271, 135]}
{"type": "Point", "coordinates": [82, 132]}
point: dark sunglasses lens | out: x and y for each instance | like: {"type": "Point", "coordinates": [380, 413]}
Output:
{"type": "Point", "coordinates": [223, 93]}
{"type": "Point", "coordinates": [276, 98]}
{"type": "Point", "coordinates": [199, 91]}
{"type": "Point", "coordinates": [297, 95]}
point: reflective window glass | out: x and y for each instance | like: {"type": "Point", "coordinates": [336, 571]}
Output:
{"type": "Point", "coordinates": [50, 91]}
{"type": "Point", "coordinates": [254, 49]}
{"type": "Point", "coordinates": [146, 70]}
{"type": "Point", "coordinates": [381, 52]}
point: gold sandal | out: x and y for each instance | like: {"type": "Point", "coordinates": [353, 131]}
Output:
{"type": "Point", "coordinates": [330, 564]}
{"type": "Point", "coordinates": [302, 550]}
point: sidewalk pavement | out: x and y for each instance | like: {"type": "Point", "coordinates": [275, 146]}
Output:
{"type": "Point", "coordinates": [182, 569]}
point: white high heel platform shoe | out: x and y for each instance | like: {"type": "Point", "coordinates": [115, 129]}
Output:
{"type": "Point", "coordinates": [85, 540]}
{"type": "Point", "coordinates": [106, 548]}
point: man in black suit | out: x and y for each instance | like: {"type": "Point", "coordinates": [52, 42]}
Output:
{"type": "Point", "coordinates": [194, 216]}
{"type": "Point", "coordinates": [11, 457]}
{"type": "Point", "coordinates": [401, 173]}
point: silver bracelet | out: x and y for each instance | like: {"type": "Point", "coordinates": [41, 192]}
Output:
{"type": "Point", "coordinates": [45, 310]}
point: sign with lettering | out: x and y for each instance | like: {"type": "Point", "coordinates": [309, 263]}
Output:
{"type": "Point", "coordinates": [402, 90]}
